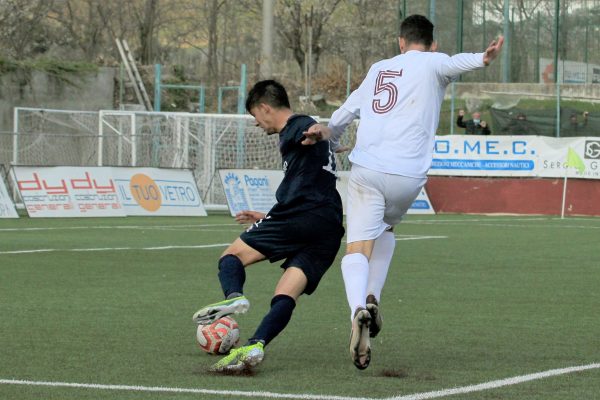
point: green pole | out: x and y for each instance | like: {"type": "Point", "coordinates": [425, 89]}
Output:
{"type": "Point", "coordinates": [485, 40]}
{"type": "Point", "coordinates": [157, 79]}
{"type": "Point", "coordinates": [507, 44]}
{"type": "Point", "coordinates": [459, 26]}
{"type": "Point", "coordinates": [556, 25]}
{"type": "Point", "coordinates": [348, 79]}
{"type": "Point", "coordinates": [556, 79]}
{"type": "Point", "coordinates": [242, 92]}
{"type": "Point", "coordinates": [432, 11]}
{"type": "Point", "coordinates": [585, 54]}
{"type": "Point", "coordinates": [537, 50]}
{"type": "Point", "coordinates": [121, 85]}
{"type": "Point", "coordinates": [241, 143]}
{"type": "Point", "coordinates": [156, 125]}
{"type": "Point", "coordinates": [201, 100]}
{"type": "Point", "coordinates": [401, 16]}
{"type": "Point", "coordinates": [512, 34]}
{"type": "Point", "coordinates": [220, 101]}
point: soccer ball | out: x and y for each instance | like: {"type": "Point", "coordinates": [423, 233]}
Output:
{"type": "Point", "coordinates": [218, 337]}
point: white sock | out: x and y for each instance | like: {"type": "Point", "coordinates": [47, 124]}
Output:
{"type": "Point", "coordinates": [383, 250]}
{"type": "Point", "coordinates": [355, 270]}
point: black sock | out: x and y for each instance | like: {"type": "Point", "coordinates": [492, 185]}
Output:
{"type": "Point", "coordinates": [231, 275]}
{"type": "Point", "coordinates": [276, 319]}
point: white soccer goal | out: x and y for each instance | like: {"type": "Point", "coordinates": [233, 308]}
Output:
{"type": "Point", "coordinates": [203, 143]}
{"type": "Point", "coordinates": [53, 137]}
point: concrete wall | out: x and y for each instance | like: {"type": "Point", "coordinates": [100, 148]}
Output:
{"type": "Point", "coordinates": [90, 91]}
{"type": "Point", "coordinates": [513, 195]}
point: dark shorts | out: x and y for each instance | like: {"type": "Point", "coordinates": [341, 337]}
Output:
{"type": "Point", "coordinates": [309, 242]}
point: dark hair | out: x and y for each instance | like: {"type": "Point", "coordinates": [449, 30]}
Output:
{"type": "Point", "coordinates": [269, 92]}
{"type": "Point", "coordinates": [417, 29]}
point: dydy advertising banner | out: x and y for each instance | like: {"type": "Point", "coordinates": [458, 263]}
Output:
{"type": "Point", "coordinates": [68, 192]}
{"type": "Point", "coordinates": [107, 191]}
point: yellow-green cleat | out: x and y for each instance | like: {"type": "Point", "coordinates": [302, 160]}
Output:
{"type": "Point", "coordinates": [241, 358]}
{"type": "Point", "coordinates": [212, 312]}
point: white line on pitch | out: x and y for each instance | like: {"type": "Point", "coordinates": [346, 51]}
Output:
{"type": "Point", "coordinates": [495, 384]}
{"type": "Point", "coordinates": [416, 396]}
{"type": "Point", "coordinates": [137, 227]}
{"type": "Point", "coordinates": [237, 393]}
{"type": "Point", "coordinates": [411, 237]}
{"type": "Point", "coordinates": [205, 246]}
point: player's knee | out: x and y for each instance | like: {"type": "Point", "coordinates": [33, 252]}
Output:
{"type": "Point", "coordinates": [283, 300]}
{"type": "Point", "coordinates": [228, 260]}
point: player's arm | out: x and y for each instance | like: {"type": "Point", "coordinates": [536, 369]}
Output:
{"type": "Point", "coordinates": [453, 66]}
{"type": "Point", "coordinates": [340, 119]}
{"type": "Point", "coordinates": [338, 123]}
{"type": "Point", "coordinates": [248, 217]}
{"type": "Point", "coordinates": [493, 50]}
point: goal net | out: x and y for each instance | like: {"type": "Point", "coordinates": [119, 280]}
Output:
{"type": "Point", "coordinates": [53, 137]}
{"type": "Point", "coordinates": [203, 143]}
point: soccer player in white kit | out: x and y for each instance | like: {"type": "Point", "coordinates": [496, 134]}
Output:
{"type": "Point", "coordinates": [398, 104]}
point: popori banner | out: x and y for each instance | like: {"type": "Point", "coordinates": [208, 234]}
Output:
{"type": "Point", "coordinates": [7, 207]}
{"type": "Point", "coordinates": [253, 189]}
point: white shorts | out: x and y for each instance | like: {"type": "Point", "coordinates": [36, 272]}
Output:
{"type": "Point", "coordinates": [377, 201]}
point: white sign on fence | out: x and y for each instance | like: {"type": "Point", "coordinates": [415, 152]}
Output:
{"type": "Point", "coordinates": [157, 191]}
{"type": "Point", "coordinates": [68, 192]}
{"type": "Point", "coordinates": [7, 208]}
{"type": "Point", "coordinates": [252, 189]}
{"type": "Point", "coordinates": [507, 156]}
{"type": "Point", "coordinates": [107, 191]}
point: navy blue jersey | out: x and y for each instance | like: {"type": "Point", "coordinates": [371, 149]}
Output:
{"type": "Point", "coordinates": [309, 174]}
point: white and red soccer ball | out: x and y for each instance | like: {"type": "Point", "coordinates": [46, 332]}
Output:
{"type": "Point", "coordinates": [218, 337]}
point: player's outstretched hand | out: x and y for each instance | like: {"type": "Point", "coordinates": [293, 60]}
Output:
{"type": "Point", "coordinates": [248, 217]}
{"type": "Point", "coordinates": [316, 133]}
{"type": "Point", "coordinates": [493, 50]}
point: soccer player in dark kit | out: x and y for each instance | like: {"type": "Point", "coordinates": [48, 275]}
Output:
{"type": "Point", "coordinates": [304, 227]}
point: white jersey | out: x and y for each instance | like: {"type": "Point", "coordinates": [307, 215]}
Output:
{"type": "Point", "coordinates": [398, 104]}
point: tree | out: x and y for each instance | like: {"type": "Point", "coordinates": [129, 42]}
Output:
{"type": "Point", "coordinates": [22, 33]}
{"type": "Point", "coordinates": [147, 22]}
{"type": "Point", "coordinates": [301, 23]}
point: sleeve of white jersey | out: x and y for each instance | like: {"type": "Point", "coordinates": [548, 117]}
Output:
{"type": "Point", "coordinates": [451, 67]}
{"type": "Point", "coordinates": [338, 123]}
{"type": "Point", "coordinates": [343, 116]}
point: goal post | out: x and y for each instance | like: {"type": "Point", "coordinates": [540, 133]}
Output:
{"type": "Point", "coordinates": [203, 143]}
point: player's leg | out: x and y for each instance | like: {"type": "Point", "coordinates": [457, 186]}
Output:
{"type": "Point", "coordinates": [399, 192]}
{"type": "Point", "coordinates": [365, 209]}
{"type": "Point", "coordinates": [289, 288]}
{"type": "Point", "coordinates": [355, 271]}
{"type": "Point", "coordinates": [232, 276]}
{"type": "Point", "coordinates": [379, 263]}
{"type": "Point", "coordinates": [303, 271]}
{"type": "Point", "coordinates": [364, 217]}
{"type": "Point", "coordinates": [304, 267]}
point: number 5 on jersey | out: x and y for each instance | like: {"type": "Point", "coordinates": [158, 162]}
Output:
{"type": "Point", "coordinates": [383, 85]}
